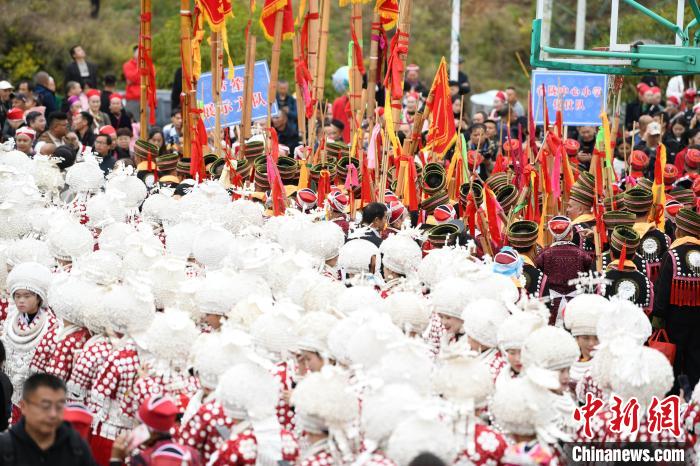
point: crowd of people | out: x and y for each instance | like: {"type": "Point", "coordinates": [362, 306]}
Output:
{"type": "Point", "coordinates": [312, 314]}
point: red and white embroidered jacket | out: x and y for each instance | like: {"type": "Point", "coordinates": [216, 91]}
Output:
{"type": "Point", "coordinates": [318, 455]}
{"type": "Point", "coordinates": [204, 430]}
{"type": "Point", "coordinates": [46, 347]}
{"type": "Point", "coordinates": [4, 304]}
{"type": "Point", "coordinates": [179, 387]}
{"type": "Point", "coordinates": [283, 373]}
{"type": "Point", "coordinates": [112, 390]}
{"type": "Point", "coordinates": [485, 447]}
{"type": "Point", "coordinates": [70, 341]}
{"type": "Point", "coordinates": [242, 448]}
{"type": "Point", "coordinates": [434, 334]}
{"type": "Point", "coordinates": [495, 360]}
{"type": "Point", "coordinates": [88, 363]}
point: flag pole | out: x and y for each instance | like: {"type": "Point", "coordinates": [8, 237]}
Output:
{"type": "Point", "coordinates": [301, 112]}
{"type": "Point", "coordinates": [186, 52]}
{"type": "Point", "coordinates": [322, 48]}
{"type": "Point", "coordinates": [404, 29]}
{"type": "Point", "coordinates": [275, 63]}
{"type": "Point", "coordinates": [355, 76]}
{"type": "Point", "coordinates": [144, 44]}
{"type": "Point", "coordinates": [373, 62]}
{"type": "Point", "coordinates": [216, 75]}
{"type": "Point", "coordinates": [246, 117]}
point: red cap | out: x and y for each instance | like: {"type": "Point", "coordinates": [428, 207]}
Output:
{"type": "Point", "coordinates": [509, 256]}
{"type": "Point", "coordinates": [27, 131]}
{"type": "Point", "coordinates": [158, 413]}
{"type": "Point", "coordinates": [109, 129]}
{"type": "Point", "coordinates": [638, 161]}
{"type": "Point", "coordinates": [396, 211]}
{"type": "Point", "coordinates": [389, 196]}
{"type": "Point", "coordinates": [306, 198]}
{"type": "Point", "coordinates": [642, 88]}
{"type": "Point", "coordinates": [670, 173]}
{"type": "Point", "coordinates": [170, 454]}
{"type": "Point", "coordinates": [655, 90]}
{"type": "Point", "coordinates": [500, 95]}
{"type": "Point", "coordinates": [672, 207]}
{"type": "Point", "coordinates": [444, 213]}
{"type": "Point", "coordinates": [474, 158]}
{"type": "Point", "coordinates": [571, 146]}
{"type": "Point", "coordinates": [92, 93]}
{"type": "Point", "coordinates": [692, 158]}
{"type": "Point", "coordinates": [338, 201]}
{"type": "Point", "coordinates": [672, 99]}
{"type": "Point", "coordinates": [511, 145]}
{"type": "Point", "coordinates": [115, 95]}
{"type": "Point", "coordinates": [689, 94]}
{"type": "Point", "coordinates": [560, 226]}
{"type": "Point", "coordinates": [696, 186]}
{"type": "Point", "coordinates": [79, 417]}
{"type": "Point", "coordinates": [15, 114]}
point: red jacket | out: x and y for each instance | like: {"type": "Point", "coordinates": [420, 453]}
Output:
{"type": "Point", "coordinates": [133, 81]}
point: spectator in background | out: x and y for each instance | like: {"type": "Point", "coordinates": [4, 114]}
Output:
{"type": "Point", "coordinates": [673, 107]}
{"type": "Point", "coordinates": [58, 128]}
{"type": "Point", "coordinates": [675, 139]}
{"type": "Point", "coordinates": [133, 84]}
{"type": "Point", "coordinates": [5, 392]}
{"type": "Point", "coordinates": [25, 86]}
{"type": "Point", "coordinates": [454, 88]}
{"type": "Point", "coordinates": [5, 100]}
{"type": "Point", "coordinates": [333, 130]}
{"type": "Point", "coordinates": [173, 130]}
{"type": "Point", "coordinates": [24, 140]}
{"type": "Point", "coordinates": [644, 121]}
{"type": "Point", "coordinates": [82, 125]}
{"type": "Point", "coordinates": [651, 141]}
{"type": "Point", "coordinates": [41, 436]}
{"type": "Point", "coordinates": [124, 136]}
{"type": "Point", "coordinates": [515, 106]}
{"type": "Point", "coordinates": [286, 134]}
{"type": "Point", "coordinates": [118, 117]}
{"type": "Point", "coordinates": [74, 91]}
{"type": "Point", "coordinates": [499, 106]}
{"type": "Point", "coordinates": [99, 118]}
{"type": "Point", "coordinates": [110, 87]}
{"type": "Point", "coordinates": [15, 119]}
{"type": "Point", "coordinates": [480, 117]}
{"type": "Point", "coordinates": [288, 102]}
{"type": "Point", "coordinates": [103, 144]}
{"type": "Point", "coordinates": [156, 136]}
{"type": "Point", "coordinates": [37, 122]}
{"type": "Point", "coordinates": [586, 139]}
{"type": "Point", "coordinates": [459, 114]}
{"type": "Point", "coordinates": [463, 79]}
{"type": "Point", "coordinates": [412, 81]}
{"type": "Point", "coordinates": [633, 110]}
{"type": "Point", "coordinates": [80, 70]}
{"type": "Point", "coordinates": [45, 90]}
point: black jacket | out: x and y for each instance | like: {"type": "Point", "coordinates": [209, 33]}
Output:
{"type": "Point", "coordinates": [72, 73]}
{"type": "Point", "coordinates": [47, 98]}
{"type": "Point", "coordinates": [5, 400]}
{"type": "Point", "coordinates": [69, 449]}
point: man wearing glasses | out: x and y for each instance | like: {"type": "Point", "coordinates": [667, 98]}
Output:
{"type": "Point", "coordinates": [41, 436]}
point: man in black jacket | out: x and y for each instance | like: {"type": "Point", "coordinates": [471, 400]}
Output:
{"type": "Point", "coordinates": [41, 436]}
{"type": "Point", "coordinates": [80, 70]}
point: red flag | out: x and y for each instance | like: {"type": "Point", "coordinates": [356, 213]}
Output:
{"type": "Point", "coordinates": [357, 50]}
{"type": "Point", "coordinates": [267, 19]}
{"type": "Point", "coordinates": [388, 12]}
{"type": "Point", "coordinates": [492, 207]}
{"type": "Point", "coordinates": [199, 140]}
{"type": "Point", "coordinates": [395, 66]}
{"type": "Point", "coordinates": [273, 176]}
{"type": "Point", "coordinates": [215, 11]}
{"type": "Point", "coordinates": [441, 134]}
{"type": "Point", "coordinates": [531, 129]}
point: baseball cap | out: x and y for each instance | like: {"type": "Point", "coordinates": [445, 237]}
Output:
{"type": "Point", "coordinates": [654, 128]}
{"type": "Point", "coordinates": [4, 85]}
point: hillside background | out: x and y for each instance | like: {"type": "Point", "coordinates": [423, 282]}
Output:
{"type": "Point", "coordinates": [37, 34]}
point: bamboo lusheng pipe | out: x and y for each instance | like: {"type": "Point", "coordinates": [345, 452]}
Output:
{"type": "Point", "coordinates": [145, 44]}
{"type": "Point", "coordinates": [186, 52]}
{"type": "Point", "coordinates": [246, 117]}
{"type": "Point", "coordinates": [217, 58]}
{"type": "Point", "coordinates": [355, 75]}
{"type": "Point", "coordinates": [373, 62]}
{"type": "Point", "coordinates": [322, 48]}
{"type": "Point", "coordinates": [404, 28]}
{"type": "Point", "coordinates": [301, 105]}
{"type": "Point", "coordinates": [275, 63]}
{"type": "Point", "coordinates": [312, 39]}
